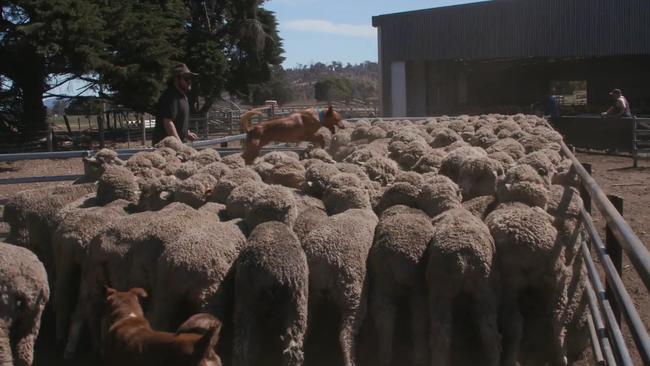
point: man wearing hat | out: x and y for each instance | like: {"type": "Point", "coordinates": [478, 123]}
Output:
{"type": "Point", "coordinates": [173, 110]}
{"type": "Point", "coordinates": [621, 107]}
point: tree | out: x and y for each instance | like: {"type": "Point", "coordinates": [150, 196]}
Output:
{"type": "Point", "coordinates": [278, 88]}
{"type": "Point", "coordinates": [333, 88]}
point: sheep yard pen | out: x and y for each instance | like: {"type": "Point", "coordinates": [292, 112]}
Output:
{"type": "Point", "coordinates": [618, 308]}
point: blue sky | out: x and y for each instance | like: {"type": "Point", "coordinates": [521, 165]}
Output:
{"type": "Point", "coordinates": [337, 30]}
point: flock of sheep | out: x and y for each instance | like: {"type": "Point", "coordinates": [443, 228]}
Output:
{"type": "Point", "coordinates": [438, 241]}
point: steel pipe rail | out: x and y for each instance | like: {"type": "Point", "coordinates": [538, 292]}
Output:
{"type": "Point", "coordinates": [40, 179]}
{"type": "Point", "coordinates": [638, 330]}
{"type": "Point", "coordinates": [634, 247]}
{"type": "Point", "coordinates": [595, 286]}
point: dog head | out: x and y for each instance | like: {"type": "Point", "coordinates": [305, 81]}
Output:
{"type": "Point", "coordinates": [331, 119]}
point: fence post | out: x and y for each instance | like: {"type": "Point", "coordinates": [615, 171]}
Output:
{"type": "Point", "coordinates": [50, 142]}
{"type": "Point", "coordinates": [584, 194]}
{"type": "Point", "coordinates": [144, 129]}
{"type": "Point", "coordinates": [615, 252]}
{"type": "Point", "coordinates": [100, 127]}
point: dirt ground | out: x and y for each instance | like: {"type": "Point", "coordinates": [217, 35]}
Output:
{"type": "Point", "coordinates": [614, 174]}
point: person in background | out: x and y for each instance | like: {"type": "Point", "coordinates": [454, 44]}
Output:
{"type": "Point", "coordinates": [173, 109]}
{"type": "Point", "coordinates": [620, 108]}
{"type": "Point", "coordinates": [551, 107]}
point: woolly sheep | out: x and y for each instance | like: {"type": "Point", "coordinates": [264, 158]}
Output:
{"type": "Point", "coordinates": [172, 143]}
{"type": "Point", "coordinates": [271, 284]}
{"type": "Point", "coordinates": [411, 154]}
{"type": "Point", "coordinates": [80, 221]}
{"type": "Point", "coordinates": [399, 193]}
{"type": "Point", "coordinates": [274, 203]}
{"type": "Point", "coordinates": [319, 154]}
{"type": "Point", "coordinates": [478, 176]}
{"type": "Point", "coordinates": [206, 157]}
{"type": "Point", "coordinates": [232, 180]}
{"type": "Point", "coordinates": [430, 163]}
{"type": "Point", "coordinates": [95, 166]}
{"type": "Point", "coordinates": [439, 195]}
{"type": "Point", "coordinates": [25, 291]}
{"type": "Point", "coordinates": [526, 242]}
{"type": "Point", "coordinates": [234, 161]}
{"type": "Point", "coordinates": [381, 169]}
{"type": "Point", "coordinates": [117, 183]}
{"type": "Point", "coordinates": [502, 157]}
{"type": "Point", "coordinates": [336, 254]}
{"type": "Point", "coordinates": [240, 199]}
{"type": "Point", "coordinates": [216, 169]}
{"type": "Point", "coordinates": [31, 215]}
{"type": "Point", "coordinates": [309, 218]}
{"type": "Point", "coordinates": [284, 170]}
{"type": "Point", "coordinates": [340, 147]}
{"type": "Point", "coordinates": [510, 146]}
{"type": "Point", "coordinates": [394, 261]}
{"type": "Point", "coordinates": [541, 162]}
{"type": "Point", "coordinates": [187, 169]}
{"type": "Point", "coordinates": [450, 165]}
{"type": "Point", "coordinates": [480, 206]}
{"type": "Point", "coordinates": [345, 191]}
{"type": "Point", "coordinates": [156, 193]}
{"type": "Point", "coordinates": [523, 184]}
{"type": "Point", "coordinates": [146, 164]}
{"type": "Point", "coordinates": [196, 190]}
{"type": "Point", "coordinates": [566, 174]}
{"type": "Point", "coordinates": [484, 138]}
{"type": "Point", "coordinates": [461, 260]}
{"type": "Point", "coordinates": [317, 177]}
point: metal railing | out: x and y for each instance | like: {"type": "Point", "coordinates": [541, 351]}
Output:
{"type": "Point", "coordinates": [607, 303]}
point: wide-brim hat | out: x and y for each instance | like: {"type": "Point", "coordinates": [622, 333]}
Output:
{"type": "Point", "coordinates": [182, 70]}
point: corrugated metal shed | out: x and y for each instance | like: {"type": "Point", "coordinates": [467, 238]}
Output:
{"type": "Point", "coordinates": [518, 29]}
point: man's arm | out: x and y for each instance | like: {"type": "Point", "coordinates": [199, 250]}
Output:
{"type": "Point", "coordinates": [620, 104]}
{"type": "Point", "coordinates": [170, 129]}
{"type": "Point", "coordinates": [607, 113]}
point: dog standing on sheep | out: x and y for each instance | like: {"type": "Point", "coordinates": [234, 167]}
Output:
{"type": "Point", "coordinates": [297, 127]}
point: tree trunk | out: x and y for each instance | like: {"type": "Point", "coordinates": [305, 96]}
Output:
{"type": "Point", "coordinates": [31, 80]}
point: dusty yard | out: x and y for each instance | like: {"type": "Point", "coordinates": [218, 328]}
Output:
{"type": "Point", "coordinates": [614, 174]}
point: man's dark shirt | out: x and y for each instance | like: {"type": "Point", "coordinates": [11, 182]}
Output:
{"type": "Point", "coordinates": [172, 105]}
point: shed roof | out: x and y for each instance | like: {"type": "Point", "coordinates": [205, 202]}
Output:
{"type": "Point", "coordinates": [518, 29]}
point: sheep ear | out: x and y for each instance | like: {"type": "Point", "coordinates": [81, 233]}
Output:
{"type": "Point", "coordinates": [140, 292]}
{"type": "Point", "coordinates": [206, 344]}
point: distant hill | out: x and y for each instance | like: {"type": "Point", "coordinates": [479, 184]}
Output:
{"type": "Point", "coordinates": [303, 77]}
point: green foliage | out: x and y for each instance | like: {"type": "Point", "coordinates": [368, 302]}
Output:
{"type": "Point", "coordinates": [333, 88]}
{"type": "Point", "coordinates": [126, 48]}
{"type": "Point", "coordinates": [278, 89]}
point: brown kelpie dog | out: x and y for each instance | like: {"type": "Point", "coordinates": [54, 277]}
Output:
{"type": "Point", "coordinates": [297, 127]}
{"type": "Point", "coordinates": [131, 341]}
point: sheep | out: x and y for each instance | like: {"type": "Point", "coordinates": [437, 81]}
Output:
{"type": "Point", "coordinates": [240, 199]}
{"type": "Point", "coordinates": [80, 221]}
{"type": "Point", "coordinates": [172, 143]}
{"type": "Point", "coordinates": [430, 162]}
{"type": "Point", "coordinates": [527, 245]}
{"type": "Point", "coordinates": [31, 215]}
{"type": "Point", "coordinates": [274, 203]}
{"type": "Point", "coordinates": [395, 267]}
{"type": "Point", "coordinates": [361, 156]}
{"type": "Point", "coordinates": [541, 162]}
{"type": "Point", "coordinates": [271, 292]}
{"type": "Point", "coordinates": [192, 270]}
{"type": "Point", "coordinates": [117, 183]}
{"type": "Point", "coordinates": [566, 174]}
{"type": "Point", "coordinates": [187, 169]}
{"type": "Point", "coordinates": [25, 291]}
{"type": "Point", "coordinates": [450, 165]}
{"type": "Point", "coordinates": [309, 218]}
{"type": "Point", "coordinates": [381, 169]}
{"type": "Point", "coordinates": [510, 146]}
{"type": "Point", "coordinates": [146, 164]}
{"type": "Point", "coordinates": [478, 176]}
{"type": "Point", "coordinates": [439, 195]}
{"type": "Point", "coordinates": [481, 206]}
{"type": "Point", "coordinates": [484, 137]}
{"type": "Point", "coordinates": [317, 177]}
{"type": "Point", "coordinates": [156, 193]}
{"type": "Point", "coordinates": [399, 193]}
{"type": "Point", "coordinates": [277, 168]}
{"type": "Point", "coordinates": [94, 166]}
{"type": "Point", "coordinates": [206, 157]}
{"type": "Point", "coordinates": [340, 147]}
{"type": "Point", "coordinates": [410, 154]}
{"type": "Point", "coordinates": [523, 184]}
{"type": "Point", "coordinates": [532, 142]}
{"type": "Point", "coordinates": [234, 161]}
{"type": "Point", "coordinates": [336, 254]}
{"type": "Point", "coordinates": [502, 157]}
{"type": "Point", "coordinates": [231, 180]}
{"type": "Point", "coordinates": [216, 169]}
{"type": "Point", "coordinates": [196, 190]}
{"type": "Point", "coordinates": [318, 154]}
{"type": "Point", "coordinates": [461, 261]}
{"type": "Point", "coordinates": [345, 191]}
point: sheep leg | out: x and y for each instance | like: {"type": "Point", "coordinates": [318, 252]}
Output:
{"type": "Point", "coordinates": [73, 336]}
{"type": "Point", "coordinates": [62, 304]}
{"type": "Point", "coordinates": [6, 358]}
{"type": "Point", "coordinates": [485, 310]}
{"type": "Point", "coordinates": [293, 336]}
{"type": "Point", "coordinates": [25, 337]}
{"type": "Point", "coordinates": [383, 313]}
{"type": "Point", "coordinates": [512, 326]}
{"type": "Point", "coordinates": [419, 326]}
{"type": "Point", "coordinates": [440, 327]}
{"type": "Point", "coordinates": [242, 350]}
{"type": "Point", "coordinates": [351, 321]}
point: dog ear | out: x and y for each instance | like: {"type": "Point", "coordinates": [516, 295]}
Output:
{"type": "Point", "coordinates": [208, 341]}
{"type": "Point", "coordinates": [330, 109]}
{"type": "Point", "coordinates": [107, 291]}
{"type": "Point", "coordinates": [140, 292]}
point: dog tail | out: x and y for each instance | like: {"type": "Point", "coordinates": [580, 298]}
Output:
{"type": "Point", "coordinates": [245, 119]}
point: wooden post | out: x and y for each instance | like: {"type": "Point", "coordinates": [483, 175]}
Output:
{"type": "Point", "coordinates": [584, 194]}
{"type": "Point", "coordinates": [128, 131]}
{"type": "Point", "coordinates": [79, 123]}
{"type": "Point", "coordinates": [50, 142]}
{"type": "Point", "coordinates": [615, 252]}
{"type": "Point", "coordinates": [144, 131]}
{"type": "Point", "coordinates": [100, 127]}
